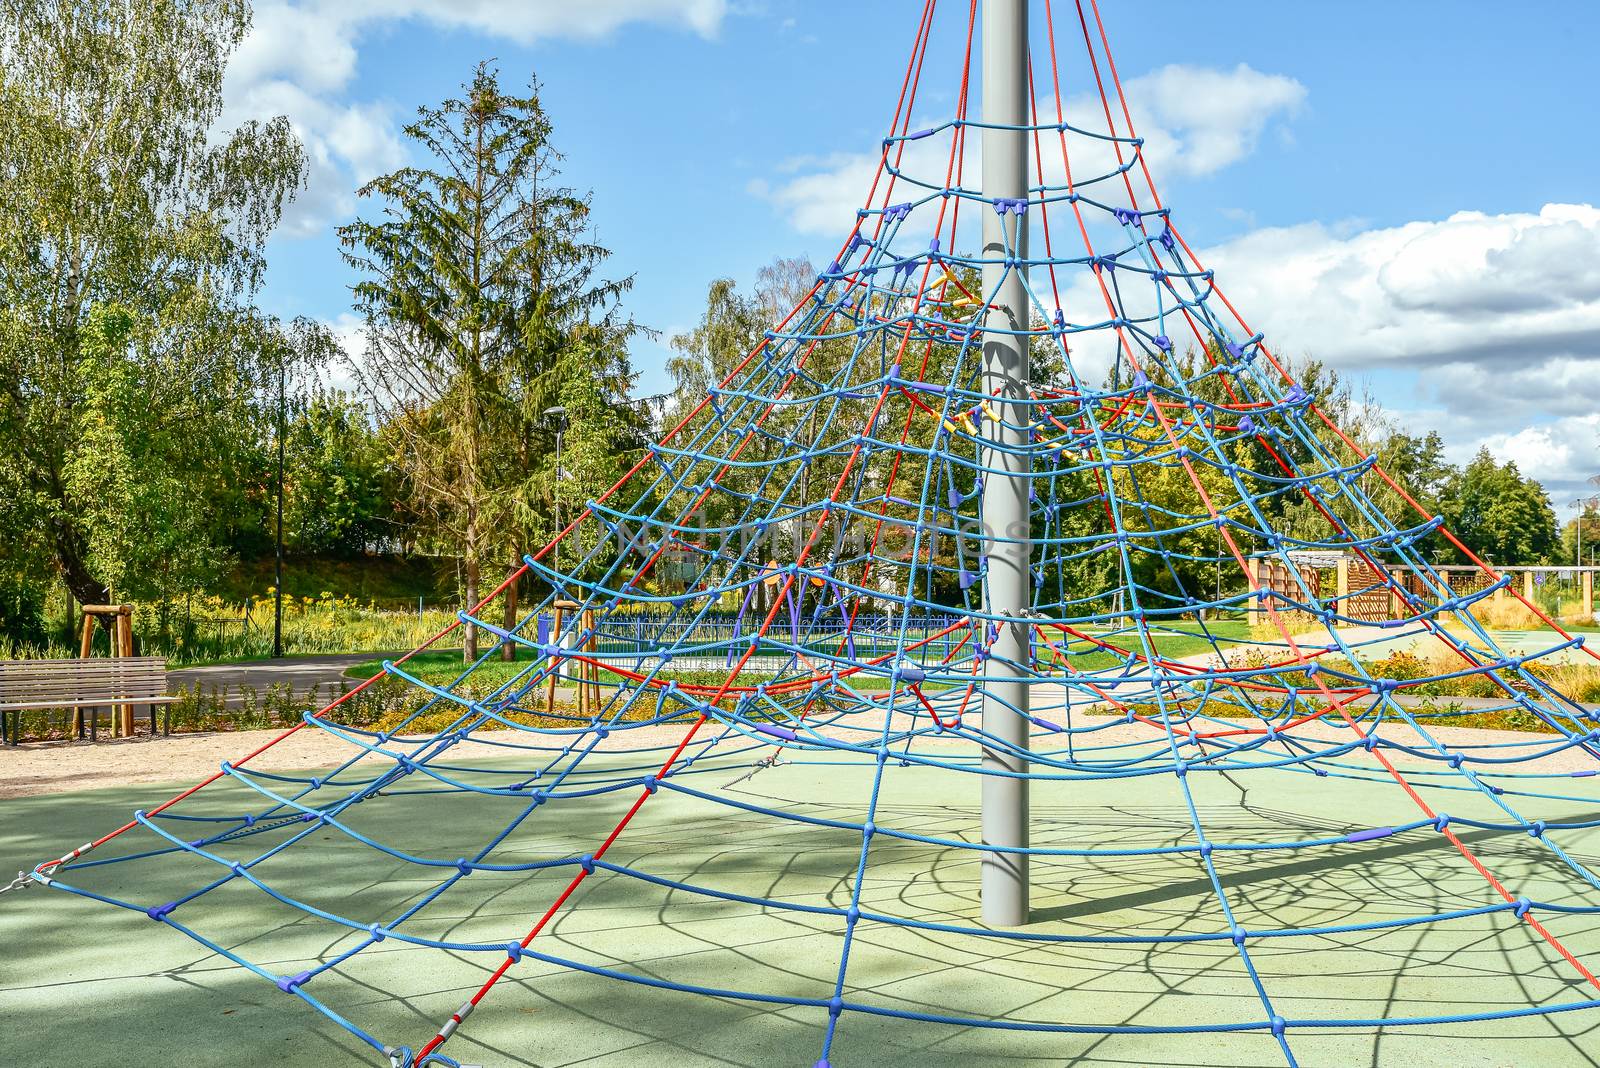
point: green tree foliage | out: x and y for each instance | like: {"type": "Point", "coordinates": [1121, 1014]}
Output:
{"type": "Point", "coordinates": [729, 328]}
{"type": "Point", "coordinates": [338, 485]}
{"type": "Point", "coordinates": [1417, 463]}
{"type": "Point", "coordinates": [131, 238]}
{"type": "Point", "coordinates": [128, 473]}
{"type": "Point", "coordinates": [1580, 536]}
{"type": "Point", "coordinates": [475, 279]}
{"type": "Point", "coordinates": [1499, 513]}
{"type": "Point", "coordinates": [600, 443]}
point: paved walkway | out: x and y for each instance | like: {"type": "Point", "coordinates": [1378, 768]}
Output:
{"type": "Point", "coordinates": [319, 676]}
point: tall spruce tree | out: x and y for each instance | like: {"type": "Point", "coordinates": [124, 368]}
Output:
{"type": "Point", "coordinates": [475, 278]}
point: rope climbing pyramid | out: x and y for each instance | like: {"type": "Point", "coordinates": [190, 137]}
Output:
{"type": "Point", "coordinates": [1011, 515]}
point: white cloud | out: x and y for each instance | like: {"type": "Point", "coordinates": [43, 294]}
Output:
{"type": "Point", "coordinates": [1194, 122]}
{"type": "Point", "coordinates": [350, 331]}
{"type": "Point", "coordinates": [1560, 386]}
{"type": "Point", "coordinates": [1562, 453]}
{"type": "Point", "coordinates": [1498, 292]}
{"type": "Point", "coordinates": [1197, 120]}
{"type": "Point", "coordinates": [309, 46]}
{"type": "Point", "coordinates": [346, 144]}
{"type": "Point", "coordinates": [299, 58]}
{"type": "Point", "coordinates": [1498, 316]}
{"type": "Point", "coordinates": [525, 21]}
{"type": "Point", "coordinates": [825, 200]}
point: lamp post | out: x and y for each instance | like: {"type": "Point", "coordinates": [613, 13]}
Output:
{"type": "Point", "coordinates": [277, 560]}
{"type": "Point", "coordinates": [1582, 505]}
{"type": "Point", "coordinates": [559, 414]}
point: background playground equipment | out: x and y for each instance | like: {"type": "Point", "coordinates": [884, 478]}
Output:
{"type": "Point", "coordinates": [1364, 593]}
{"type": "Point", "coordinates": [881, 425]}
{"type": "Point", "coordinates": [572, 629]}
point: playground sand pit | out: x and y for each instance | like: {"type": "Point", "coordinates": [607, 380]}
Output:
{"type": "Point", "coordinates": [97, 983]}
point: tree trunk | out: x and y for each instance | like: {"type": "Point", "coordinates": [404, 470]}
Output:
{"type": "Point", "coordinates": [69, 558]}
{"type": "Point", "coordinates": [469, 636]}
{"type": "Point", "coordinates": [469, 648]}
{"type": "Point", "coordinates": [508, 650]}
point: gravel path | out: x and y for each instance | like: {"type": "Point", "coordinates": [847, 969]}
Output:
{"type": "Point", "coordinates": [56, 767]}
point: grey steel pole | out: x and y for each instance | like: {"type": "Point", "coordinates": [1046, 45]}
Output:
{"type": "Point", "coordinates": [1007, 587]}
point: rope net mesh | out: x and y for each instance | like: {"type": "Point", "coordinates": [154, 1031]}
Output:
{"type": "Point", "coordinates": [794, 575]}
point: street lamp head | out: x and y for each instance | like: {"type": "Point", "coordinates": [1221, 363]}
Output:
{"type": "Point", "coordinates": [557, 412]}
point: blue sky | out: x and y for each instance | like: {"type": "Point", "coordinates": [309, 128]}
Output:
{"type": "Point", "coordinates": [1320, 155]}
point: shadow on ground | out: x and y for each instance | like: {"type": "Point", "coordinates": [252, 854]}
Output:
{"type": "Point", "coordinates": [96, 983]}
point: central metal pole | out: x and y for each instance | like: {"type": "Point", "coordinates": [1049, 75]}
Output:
{"type": "Point", "coordinates": [1007, 585]}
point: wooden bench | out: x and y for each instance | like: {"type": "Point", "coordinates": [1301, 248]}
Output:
{"type": "Point", "coordinates": [93, 683]}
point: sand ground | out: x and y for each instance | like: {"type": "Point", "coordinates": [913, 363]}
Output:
{"type": "Point", "coordinates": [55, 767]}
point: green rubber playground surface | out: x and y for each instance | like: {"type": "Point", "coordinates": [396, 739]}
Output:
{"type": "Point", "coordinates": [83, 983]}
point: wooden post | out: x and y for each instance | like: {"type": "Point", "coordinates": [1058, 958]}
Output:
{"type": "Point", "coordinates": [1342, 590]}
{"type": "Point", "coordinates": [119, 626]}
{"type": "Point", "coordinates": [583, 669]}
{"type": "Point", "coordinates": [85, 647]}
{"type": "Point", "coordinates": [124, 634]}
{"type": "Point", "coordinates": [1586, 607]}
{"type": "Point", "coordinates": [550, 679]}
{"type": "Point", "coordinates": [1527, 586]}
{"type": "Point", "coordinates": [591, 673]}
{"type": "Point", "coordinates": [508, 648]}
{"type": "Point", "coordinates": [561, 608]}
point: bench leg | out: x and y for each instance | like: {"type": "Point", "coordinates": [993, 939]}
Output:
{"type": "Point", "coordinates": [94, 724]}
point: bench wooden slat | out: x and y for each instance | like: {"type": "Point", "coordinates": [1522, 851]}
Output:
{"type": "Point", "coordinates": [97, 702]}
{"type": "Point", "coordinates": [81, 667]}
{"type": "Point", "coordinates": [22, 667]}
{"type": "Point", "coordinates": [68, 679]}
{"type": "Point", "coordinates": [59, 680]}
{"type": "Point", "coordinates": [107, 663]}
{"type": "Point", "coordinates": [81, 683]}
{"type": "Point", "coordinates": [43, 680]}
{"type": "Point", "coordinates": [119, 683]}
{"type": "Point", "coordinates": [90, 661]}
{"type": "Point", "coordinates": [33, 680]}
